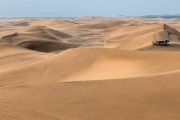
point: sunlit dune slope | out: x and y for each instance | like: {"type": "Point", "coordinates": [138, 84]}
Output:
{"type": "Point", "coordinates": [93, 64]}
{"type": "Point", "coordinates": [12, 57]}
{"type": "Point", "coordinates": [134, 37]}
{"type": "Point", "coordinates": [150, 97]}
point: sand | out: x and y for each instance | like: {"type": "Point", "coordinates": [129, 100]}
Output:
{"type": "Point", "coordinates": [39, 38]}
{"type": "Point", "coordinates": [89, 68]}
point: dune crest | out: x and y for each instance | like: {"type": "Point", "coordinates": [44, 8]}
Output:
{"type": "Point", "coordinates": [93, 64]}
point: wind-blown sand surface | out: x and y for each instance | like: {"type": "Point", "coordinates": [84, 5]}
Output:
{"type": "Point", "coordinates": [89, 68]}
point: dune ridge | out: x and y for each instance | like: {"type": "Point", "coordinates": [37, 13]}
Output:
{"type": "Point", "coordinates": [96, 64]}
{"type": "Point", "coordinates": [52, 23]}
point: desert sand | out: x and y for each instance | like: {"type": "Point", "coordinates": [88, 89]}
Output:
{"type": "Point", "coordinates": [89, 68]}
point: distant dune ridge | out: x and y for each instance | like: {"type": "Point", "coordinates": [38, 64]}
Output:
{"type": "Point", "coordinates": [89, 68]}
{"type": "Point", "coordinates": [54, 23]}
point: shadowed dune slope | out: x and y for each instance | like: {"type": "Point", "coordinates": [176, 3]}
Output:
{"type": "Point", "coordinates": [39, 38]}
{"type": "Point", "coordinates": [172, 30]}
{"type": "Point", "coordinates": [93, 64]}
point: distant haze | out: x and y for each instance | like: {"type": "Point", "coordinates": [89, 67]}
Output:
{"type": "Point", "coordinates": [77, 8]}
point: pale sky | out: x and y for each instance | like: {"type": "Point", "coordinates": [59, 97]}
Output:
{"type": "Point", "coordinates": [77, 8]}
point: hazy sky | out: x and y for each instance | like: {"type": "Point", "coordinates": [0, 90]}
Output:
{"type": "Point", "coordinates": [76, 8]}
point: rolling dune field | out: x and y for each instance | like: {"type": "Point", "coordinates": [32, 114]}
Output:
{"type": "Point", "coordinates": [89, 68]}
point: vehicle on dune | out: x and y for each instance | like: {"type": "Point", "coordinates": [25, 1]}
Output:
{"type": "Point", "coordinates": [160, 42]}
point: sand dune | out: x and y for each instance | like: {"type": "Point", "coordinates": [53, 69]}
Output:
{"type": "Point", "coordinates": [134, 37]}
{"type": "Point", "coordinates": [59, 23]}
{"type": "Point", "coordinates": [101, 25]}
{"type": "Point", "coordinates": [88, 19]}
{"type": "Point", "coordinates": [151, 97]}
{"type": "Point", "coordinates": [19, 24]}
{"type": "Point", "coordinates": [174, 46]}
{"type": "Point", "coordinates": [131, 37]}
{"type": "Point", "coordinates": [12, 57]}
{"type": "Point", "coordinates": [92, 64]}
{"type": "Point", "coordinates": [53, 23]}
{"type": "Point", "coordinates": [115, 33]}
{"type": "Point", "coordinates": [39, 38]}
{"type": "Point", "coordinates": [13, 23]}
{"type": "Point", "coordinates": [44, 76]}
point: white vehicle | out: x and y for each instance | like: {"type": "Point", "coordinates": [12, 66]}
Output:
{"type": "Point", "coordinates": [160, 42]}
